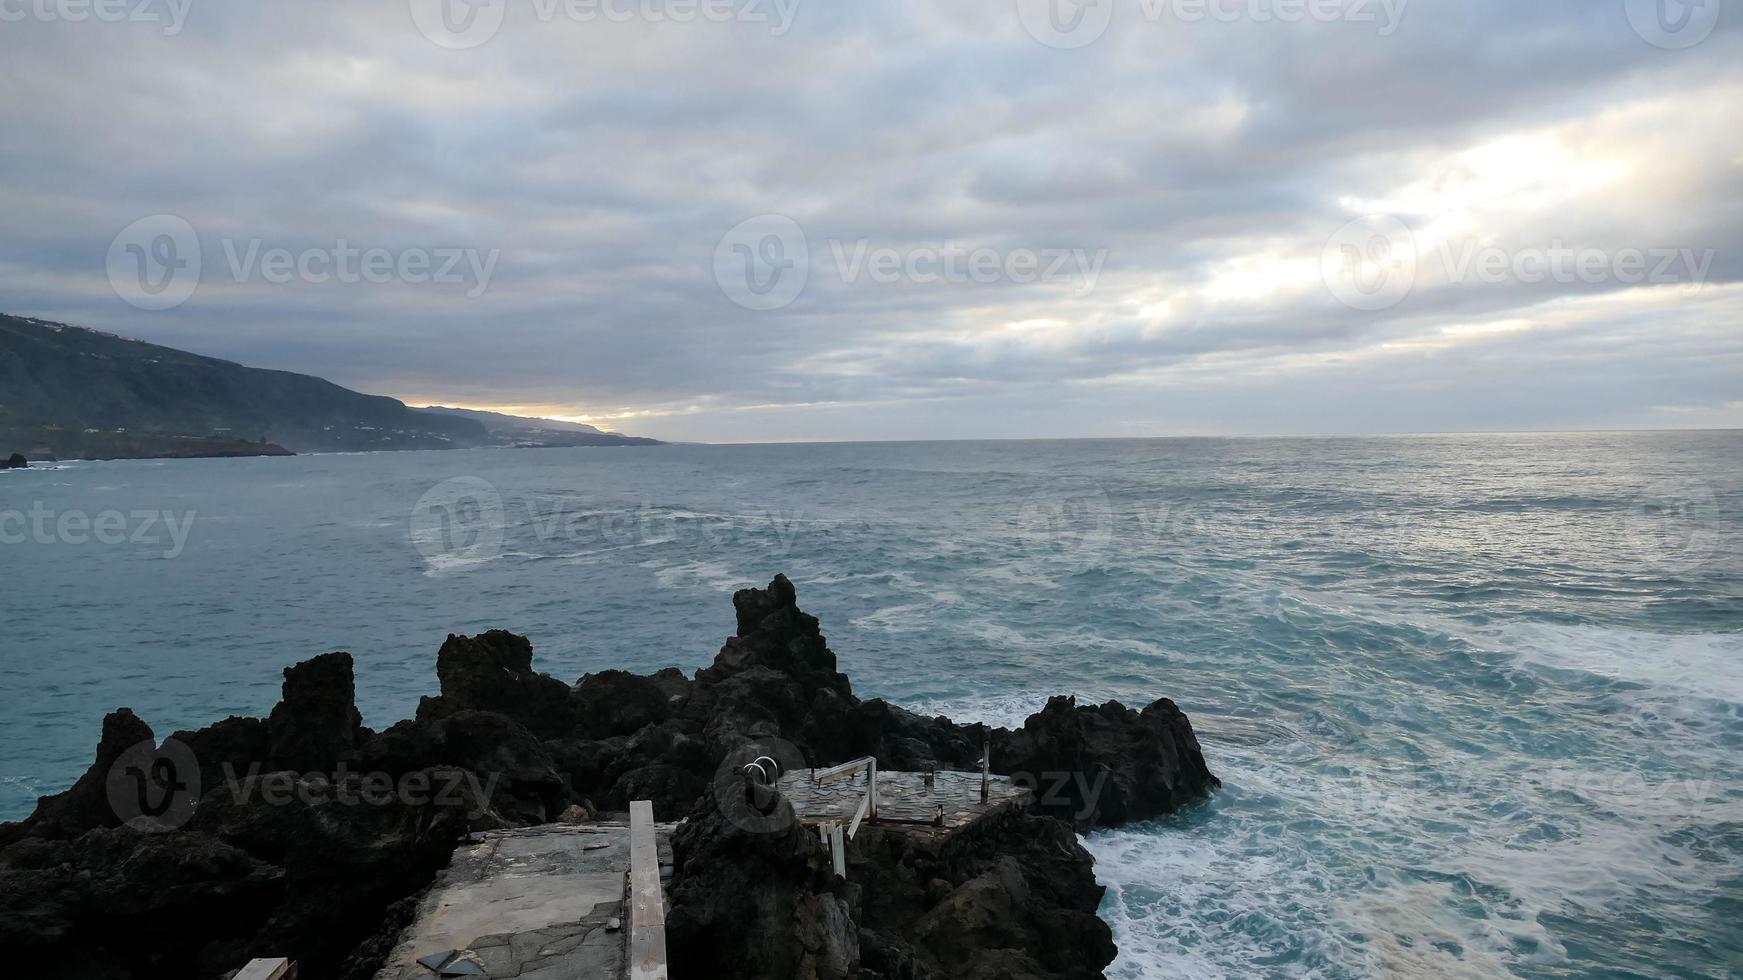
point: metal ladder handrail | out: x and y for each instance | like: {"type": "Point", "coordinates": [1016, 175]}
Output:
{"type": "Point", "coordinates": [847, 770]}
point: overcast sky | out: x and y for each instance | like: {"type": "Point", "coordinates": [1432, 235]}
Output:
{"type": "Point", "coordinates": [745, 220]}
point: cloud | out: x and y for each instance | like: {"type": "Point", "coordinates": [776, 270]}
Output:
{"type": "Point", "coordinates": [1207, 162]}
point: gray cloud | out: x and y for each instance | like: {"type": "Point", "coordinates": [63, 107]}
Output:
{"type": "Point", "coordinates": [1209, 162]}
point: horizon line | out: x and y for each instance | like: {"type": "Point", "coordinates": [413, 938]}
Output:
{"type": "Point", "coordinates": [1201, 436]}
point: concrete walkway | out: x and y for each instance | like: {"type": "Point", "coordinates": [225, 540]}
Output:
{"type": "Point", "coordinates": [544, 903]}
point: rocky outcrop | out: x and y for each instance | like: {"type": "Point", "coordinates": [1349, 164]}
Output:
{"type": "Point", "coordinates": [86, 805]}
{"type": "Point", "coordinates": [512, 765]}
{"type": "Point", "coordinates": [304, 858]}
{"type": "Point", "coordinates": [775, 636]}
{"type": "Point", "coordinates": [494, 672]}
{"type": "Point", "coordinates": [16, 461]}
{"type": "Point", "coordinates": [347, 848]}
{"type": "Point", "coordinates": [306, 834]}
{"type": "Point", "coordinates": [1011, 898]}
{"type": "Point", "coordinates": [1105, 765]}
{"type": "Point", "coordinates": [616, 702]}
{"type": "Point", "coordinates": [317, 723]}
{"type": "Point", "coordinates": [228, 749]}
{"type": "Point", "coordinates": [748, 903]}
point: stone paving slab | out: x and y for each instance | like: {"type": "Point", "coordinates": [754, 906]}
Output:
{"type": "Point", "coordinates": [535, 904]}
{"type": "Point", "coordinates": [901, 796]}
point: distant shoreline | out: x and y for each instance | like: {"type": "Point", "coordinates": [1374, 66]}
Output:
{"type": "Point", "coordinates": [255, 449]}
{"type": "Point", "coordinates": [163, 448]}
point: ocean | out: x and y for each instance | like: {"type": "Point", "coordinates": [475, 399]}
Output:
{"type": "Point", "coordinates": [1476, 701]}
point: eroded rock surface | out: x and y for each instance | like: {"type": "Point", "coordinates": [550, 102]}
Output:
{"type": "Point", "coordinates": [311, 836]}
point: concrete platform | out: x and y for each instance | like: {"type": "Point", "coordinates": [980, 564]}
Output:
{"type": "Point", "coordinates": [545, 903]}
{"type": "Point", "coordinates": [903, 797]}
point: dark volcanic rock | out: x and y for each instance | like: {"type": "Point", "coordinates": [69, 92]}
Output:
{"type": "Point", "coordinates": [674, 684]}
{"type": "Point", "coordinates": [15, 462]}
{"type": "Point", "coordinates": [774, 634]}
{"type": "Point", "coordinates": [494, 672]}
{"type": "Point", "coordinates": [671, 789]}
{"type": "Point", "coordinates": [616, 702]}
{"type": "Point", "coordinates": [86, 805]}
{"type": "Point", "coordinates": [150, 901]}
{"type": "Point", "coordinates": [1023, 887]}
{"type": "Point", "coordinates": [902, 739]}
{"type": "Point", "coordinates": [228, 749]}
{"type": "Point", "coordinates": [518, 778]}
{"type": "Point", "coordinates": [749, 904]}
{"type": "Point", "coordinates": [313, 835]}
{"type": "Point", "coordinates": [591, 767]}
{"type": "Point", "coordinates": [1106, 765]}
{"type": "Point", "coordinates": [349, 848]}
{"type": "Point", "coordinates": [316, 724]}
{"type": "Point", "coordinates": [1013, 898]}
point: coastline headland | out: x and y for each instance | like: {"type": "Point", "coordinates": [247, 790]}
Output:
{"type": "Point", "coordinates": [307, 835]}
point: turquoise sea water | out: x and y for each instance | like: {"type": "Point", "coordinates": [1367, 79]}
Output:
{"type": "Point", "coordinates": [1477, 701]}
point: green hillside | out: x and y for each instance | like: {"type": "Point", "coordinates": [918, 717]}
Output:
{"type": "Point", "coordinates": [76, 392]}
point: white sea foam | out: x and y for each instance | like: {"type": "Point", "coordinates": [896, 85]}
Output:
{"type": "Point", "coordinates": [1022, 574]}
{"type": "Point", "coordinates": [1472, 854]}
{"type": "Point", "coordinates": [997, 635]}
{"type": "Point", "coordinates": [1199, 905]}
{"type": "Point", "coordinates": [24, 784]}
{"type": "Point", "coordinates": [1469, 856]}
{"type": "Point", "coordinates": [442, 564]}
{"type": "Point", "coordinates": [1707, 665]}
{"type": "Point", "coordinates": [909, 617]}
{"type": "Point", "coordinates": [1409, 930]}
{"type": "Point", "coordinates": [1232, 894]}
{"type": "Point", "coordinates": [712, 576]}
{"type": "Point", "coordinates": [1000, 711]}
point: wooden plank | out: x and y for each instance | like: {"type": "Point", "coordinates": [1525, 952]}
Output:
{"type": "Point", "coordinates": [864, 808]}
{"type": "Point", "coordinates": [986, 772]}
{"type": "Point", "coordinates": [837, 850]}
{"type": "Point", "coordinates": [277, 969]}
{"type": "Point", "coordinates": [647, 913]}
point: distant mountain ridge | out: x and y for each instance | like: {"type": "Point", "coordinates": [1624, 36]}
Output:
{"type": "Point", "coordinates": [516, 423]}
{"type": "Point", "coordinates": [73, 392]}
{"type": "Point", "coordinates": [537, 432]}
